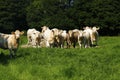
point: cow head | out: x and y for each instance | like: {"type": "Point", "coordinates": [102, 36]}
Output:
{"type": "Point", "coordinates": [44, 28]}
{"type": "Point", "coordinates": [87, 27]}
{"type": "Point", "coordinates": [17, 33]}
{"type": "Point", "coordinates": [95, 28]}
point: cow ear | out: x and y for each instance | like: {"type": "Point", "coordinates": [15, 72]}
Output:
{"type": "Point", "coordinates": [12, 32]}
{"type": "Point", "coordinates": [84, 28]}
{"type": "Point", "coordinates": [42, 27]}
{"type": "Point", "coordinates": [22, 32]}
{"type": "Point", "coordinates": [97, 28]}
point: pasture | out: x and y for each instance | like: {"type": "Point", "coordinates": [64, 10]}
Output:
{"type": "Point", "coordinates": [97, 63]}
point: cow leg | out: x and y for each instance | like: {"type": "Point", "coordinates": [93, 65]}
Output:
{"type": "Point", "coordinates": [80, 44]}
{"type": "Point", "coordinates": [59, 44]}
{"type": "Point", "coordinates": [47, 44]}
{"type": "Point", "coordinates": [11, 55]}
{"type": "Point", "coordinates": [88, 43]}
{"type": "Point", "coordinates": [68, 45]}
{"type": "Point", "coordinates": [74, 44]}
{"type": "Point", "coordinates": [14, 52]}
{"type": "Point", "coordinates": [50, 46]}
{"type": "Point", "coordinates": [85, 42]}
{"type": "Point", "coordinates": [29, 40]}
{"type": "Point", "coordinates": [96, 43]}
{"type": "Point", "coordinates": [62, 45]}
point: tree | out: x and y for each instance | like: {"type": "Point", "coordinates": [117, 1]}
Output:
{"type": "Point", "coordinates": [13, 15]}
{"type": "Point", "coordinates": [62, 14]}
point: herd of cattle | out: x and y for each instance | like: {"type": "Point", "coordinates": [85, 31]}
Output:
{"type": "Point", "coordinates": [58, 38]}
{"type": "Point", "coordinates": [51, 38]}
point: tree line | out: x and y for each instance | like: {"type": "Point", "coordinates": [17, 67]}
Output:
{"type": "Point", "coordinates": [62, 14]}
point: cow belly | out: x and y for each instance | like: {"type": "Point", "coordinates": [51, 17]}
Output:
{"type": "Point", "coordinates": [3, 46]}
{"type": "Point", "coordinates": [3, 43]}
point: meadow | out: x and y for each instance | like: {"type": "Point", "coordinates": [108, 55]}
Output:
{"type": "Point", "coordinates": [97, 63]}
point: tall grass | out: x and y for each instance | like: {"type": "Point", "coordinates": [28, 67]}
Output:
{"type": "Point", "coordinates": [97, 63]}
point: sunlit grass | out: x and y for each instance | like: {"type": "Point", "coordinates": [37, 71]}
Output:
{"type": "Point", "coordinates": [97, 63]}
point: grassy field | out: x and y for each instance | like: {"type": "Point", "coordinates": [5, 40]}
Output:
{"type": "Point", "coordinates": [100, 63]}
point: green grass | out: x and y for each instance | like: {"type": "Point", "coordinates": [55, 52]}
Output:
{"type": "Point", "coordinates": [100, 63]}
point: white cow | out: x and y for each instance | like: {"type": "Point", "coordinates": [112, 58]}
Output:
{"type": "Point", "coordinates": [29, 33]}
{"type": "Point", "coordinates": [93, 34]}
{"type": "Point", "coordinates": [86, 38]}
{"type": "Point", "coordinates": [55, 31]}
{"type": "Point", "coordinates": [10, 41]}
{"type": "Point", "coordinates": [48, 36]}
{"type": "Point", "coordinates": [34, 37]}
{"type": "Point", "coordinates": [61, 38]}
{"type": "Point", "coordinates": [74, 37]}
{"type": "Point", "coordinates": [80, 38]}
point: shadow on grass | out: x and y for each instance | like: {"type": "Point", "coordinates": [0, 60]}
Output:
{"type": "Point", "coordinates": [4, 58]}
{"type": "Point", "coordinates": [20, 54]}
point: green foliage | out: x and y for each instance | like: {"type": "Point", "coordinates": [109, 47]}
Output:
{"type": "Point", "coordinates": [12, 15]}
{"type": "Point", "coordinates": [24, 14]}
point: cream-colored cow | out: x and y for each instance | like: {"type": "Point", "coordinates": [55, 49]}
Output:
{"type": "Point", "coordinates": [93, 34]}
{"type": "Point", "coordinates": [62, 38]}
{"type": "Point", "coordinates": [74, 37]}
{"type": "Point", "coordinates": [10, 41]}
{"type": "Point", "coordinates": [48, 36]}
{"type": "Point", "coordinates": [34, 37]}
